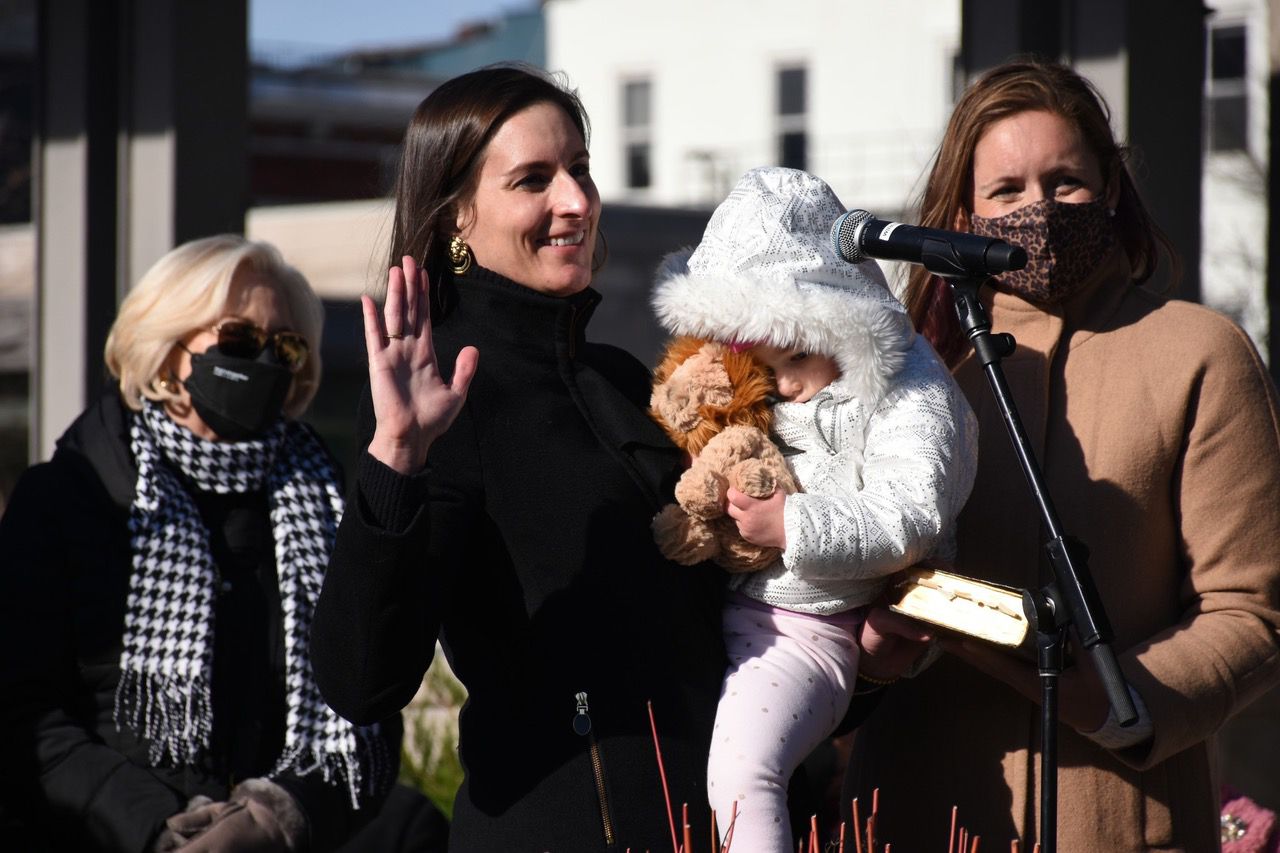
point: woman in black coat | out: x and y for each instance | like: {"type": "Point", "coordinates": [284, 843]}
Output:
{"type": "Point", "coordinates": [159, 576]}
{"type": "Point", "coordinates": [520, 536]}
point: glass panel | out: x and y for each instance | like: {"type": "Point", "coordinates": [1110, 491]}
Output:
{"type": "Point", "coordinates": [635, 104]}
{"type": "Point", "coordinates": [791, 91]}
{"type": "Point", "coordinates": [794, 150]}
{"type": "Point", "coordinates": [638, 176]}
{"type": "Point", "coordinates": [1228, 122]}
{"type": "Point", "coordinates": [1227, 51]}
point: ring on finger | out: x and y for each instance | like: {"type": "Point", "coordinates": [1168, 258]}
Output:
{"type": "Point", "coordinates": [394, 336]}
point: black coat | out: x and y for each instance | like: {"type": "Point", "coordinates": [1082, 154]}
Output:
{"type": "Point", "coordinates": [72, 781]}
{"type": "Point", "coordinates": [526, 547]}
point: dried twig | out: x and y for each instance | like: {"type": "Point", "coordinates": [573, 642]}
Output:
{"type": "Point", "coordinates": [662, 772]}
{"type": "Point", "coordinates": [857, 827]}
{"type": "Point", "coordinates": [871, 821]}
{"type": "Point", "coordinates": [733, 823]}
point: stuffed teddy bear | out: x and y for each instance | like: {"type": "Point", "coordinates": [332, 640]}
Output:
{"type": "Point", "coordinates": [713, 401]}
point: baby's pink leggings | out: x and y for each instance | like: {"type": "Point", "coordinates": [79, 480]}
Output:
{"type": "Point", "coordinates": [788, 685]}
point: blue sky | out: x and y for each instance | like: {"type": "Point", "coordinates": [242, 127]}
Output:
{"type": "Point", "coordinates": [338, 24]}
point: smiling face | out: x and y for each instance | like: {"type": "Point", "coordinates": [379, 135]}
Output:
{"type": "Point", "coordinates": [535, 211]}
{"type": "Point", "coordinates": [799, 374]}
{"type": "Point", "coordinates": [1031, 156]}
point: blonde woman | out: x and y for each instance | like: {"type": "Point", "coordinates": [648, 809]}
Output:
{"type": "Point", "coordinates": [158, 581]}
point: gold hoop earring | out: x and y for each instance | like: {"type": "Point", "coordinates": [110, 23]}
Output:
{"type": "Point", "coordinates": [603, 256]}
{"type": "Point", "coordinates": [460, 256]}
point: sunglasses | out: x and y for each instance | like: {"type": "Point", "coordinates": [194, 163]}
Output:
{"type": "Point", "coordinates": [242, 339]}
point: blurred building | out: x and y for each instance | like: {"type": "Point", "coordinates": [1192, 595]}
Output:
{"type": "Point", "coordinates": [1233, 263]}
{"type": "Point", "coordinates": [327, 126]}
{"type": "Point", "coordinates": [17, 245]}
{"type": "Point", "coordinates": [685, 97]}
{"type": "Point", "coordinates": [859, 91]}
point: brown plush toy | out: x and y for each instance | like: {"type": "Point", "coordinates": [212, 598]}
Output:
{"type": "Point", "coordinates": [714, 403]}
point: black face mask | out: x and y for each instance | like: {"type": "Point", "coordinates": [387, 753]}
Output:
{"type": "Point", "coordinates": [237, 397]}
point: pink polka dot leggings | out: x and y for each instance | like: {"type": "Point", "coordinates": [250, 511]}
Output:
{"type": "Point", "coordinates": [788, 685]}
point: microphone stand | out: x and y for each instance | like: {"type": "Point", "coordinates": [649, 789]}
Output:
{"type": "Point", "coordinates": [1071, 599]}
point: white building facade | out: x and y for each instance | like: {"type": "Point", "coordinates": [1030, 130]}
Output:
{"type": "Point", "coordinates": [1233, 268]}
{"type": "Point", "coordinates": [686, 95]}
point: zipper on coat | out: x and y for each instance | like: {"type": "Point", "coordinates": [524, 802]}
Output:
{"type": "Point", "coordinates": [582, 726]}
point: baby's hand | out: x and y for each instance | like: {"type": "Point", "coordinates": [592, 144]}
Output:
{"type": "Point", "coordinates": [760, 520]}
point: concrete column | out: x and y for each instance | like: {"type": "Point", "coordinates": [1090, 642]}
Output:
{"type": "Point", "coordinates": [75, 210]}
{"type": "Point", "coordinates": [141, 144]}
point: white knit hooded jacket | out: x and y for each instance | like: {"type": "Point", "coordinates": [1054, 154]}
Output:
{"type": "Point", "coordinates": [885, 455]}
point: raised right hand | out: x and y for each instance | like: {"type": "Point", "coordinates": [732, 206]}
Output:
{"type": "Point", "coordinates": [412, 402]}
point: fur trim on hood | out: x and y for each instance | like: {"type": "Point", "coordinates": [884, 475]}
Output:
{"type": "Point", "coordinates": [766, 272]}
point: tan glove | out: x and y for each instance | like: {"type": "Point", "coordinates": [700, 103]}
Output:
{"type": "Point", "coordinates": [260, 817]}
{"type": "Point", "coordinates": [200, 814]}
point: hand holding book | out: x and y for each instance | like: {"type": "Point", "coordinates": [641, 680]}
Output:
{"type": "Point", "coordinates": [988, 611]}
{"type": "Point", "coordinates": [981, 623]}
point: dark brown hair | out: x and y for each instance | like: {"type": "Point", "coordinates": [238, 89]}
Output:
{"type": "Point", "coordinates": [1006, 90]}
{"type": "Point", "coordinates": [444, 147]}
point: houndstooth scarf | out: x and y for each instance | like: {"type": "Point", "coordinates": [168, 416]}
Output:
{"type": "Point", "coordinates": [167, 661]}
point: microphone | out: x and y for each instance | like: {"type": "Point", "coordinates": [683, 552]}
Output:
{"type": "Point", "coordinates": [857, 235]}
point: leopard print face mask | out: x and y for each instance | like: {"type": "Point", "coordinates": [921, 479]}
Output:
{"type": "Point", "coordinates": [1065, 243]}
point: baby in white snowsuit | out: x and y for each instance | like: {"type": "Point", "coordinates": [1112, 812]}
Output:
{"type": "Point", "coordinates": [880, 439]}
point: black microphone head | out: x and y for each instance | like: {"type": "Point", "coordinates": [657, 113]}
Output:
{"type": "Point", "coordinates": [846, 235]}
{"type": "Point", "coordinates": [1003, 257]}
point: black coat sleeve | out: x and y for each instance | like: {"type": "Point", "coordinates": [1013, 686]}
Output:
{"type": "Point", "coordinates": [380, 609]}
{"type": "Point", "coordinates": [60, 538]}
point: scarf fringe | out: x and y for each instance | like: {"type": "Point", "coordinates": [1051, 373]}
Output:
{"type": "Point", "coordinates": [364, 770]}
{"type": "Point", "coordinates": [173, 715]}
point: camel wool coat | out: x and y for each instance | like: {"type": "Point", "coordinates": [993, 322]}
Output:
{"type": "Point", "coordinates": [1155, 423]}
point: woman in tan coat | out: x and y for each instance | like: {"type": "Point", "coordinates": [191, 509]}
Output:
{"type": "Point", "coordinates": [1155, 424]}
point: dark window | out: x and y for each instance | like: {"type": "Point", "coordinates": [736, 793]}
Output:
{"type": "Point", "coordinates": [793, 102]}
{"type": "Point", "coordinates": [1229, 120]}
{"type": "Point", "coordinates": [635, 104]}
{"type": "Point", "coordinates": [637, 150]}
{"type": "Point", "coordinates": [1228, 60]}
{"type": "Point", "coordinates": [638, 165]}
{"type": "Point", "coordinates": [794, 154]}
{"type": "Point", "coordinates": [1226, 99]}
{"type": "Point", "coordinates": [792, 97]}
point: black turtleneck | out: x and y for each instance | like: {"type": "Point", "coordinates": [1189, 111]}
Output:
{"type": "Point", "coordinates": [526, 548]}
